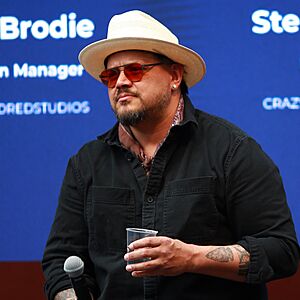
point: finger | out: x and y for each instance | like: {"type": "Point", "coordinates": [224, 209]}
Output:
{"type": "Point", "coordinates": [144, 273]}
{"type": "Point", "coordinates": [151, 242]}
{"type": "Point", "coordinates": [140, 254]}
{"type": "Point", "coordinates": [144, 267]}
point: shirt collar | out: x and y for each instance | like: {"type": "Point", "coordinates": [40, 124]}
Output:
{"type": "Point", "coordinates": [129, 142]}
{"type": "Point", "coordinates": [111, 137]}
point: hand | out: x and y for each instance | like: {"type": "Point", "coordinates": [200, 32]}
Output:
{"type": "Point", "coordinates": [166, 256]}
{"type": "Point", "coordinates": [68, 295]}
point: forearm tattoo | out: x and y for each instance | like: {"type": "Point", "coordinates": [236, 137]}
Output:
{"type": "Point", "coordinates": [221, 254]}
{"type": "Point", "coordinates": [225, 254]}
{"type": "Point", "coordinates": [66, 295]}
{"type": "Point", "coordinates": [244, 257]}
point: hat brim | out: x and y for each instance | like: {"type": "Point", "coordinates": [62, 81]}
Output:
{"type": "Point", "coordinates": [92, 56]}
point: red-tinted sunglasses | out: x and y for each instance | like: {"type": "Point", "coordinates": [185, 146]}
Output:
{"type": "Point", "coordinates": [134, 72]}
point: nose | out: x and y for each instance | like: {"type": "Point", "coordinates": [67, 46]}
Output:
{"type": "Point", "coordinates": [123, 80]}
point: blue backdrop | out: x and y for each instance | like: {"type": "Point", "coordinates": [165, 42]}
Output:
{"type": "Point", "coordinates": [49, 107]}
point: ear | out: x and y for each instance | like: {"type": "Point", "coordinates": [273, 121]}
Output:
{"type": "Point", "coordinates": [177, 74]}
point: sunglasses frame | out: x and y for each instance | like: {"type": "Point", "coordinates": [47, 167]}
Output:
{"type": "Point", "coordinates": [117, 70]}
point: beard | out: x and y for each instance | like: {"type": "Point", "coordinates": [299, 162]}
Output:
{"type": "Point", "coordinates": [131, 118]}
{"type": "Point", "coordinates": [145, 111]}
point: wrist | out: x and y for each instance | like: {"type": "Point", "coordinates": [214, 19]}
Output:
{"type": "Point", "coordinates": [194, 259]}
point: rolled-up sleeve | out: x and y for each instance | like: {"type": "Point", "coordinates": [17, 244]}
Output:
{"type": "Point", "coordinates": [68, 236]}
{"type": "Point", "coordinates": [259, 214]}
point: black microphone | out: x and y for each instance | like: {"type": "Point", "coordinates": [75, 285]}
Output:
{"type": "Point", "coordinates": [74, 267]}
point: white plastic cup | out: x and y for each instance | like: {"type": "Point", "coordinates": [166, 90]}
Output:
{"type": "Point", "coordinates": [134, 234]}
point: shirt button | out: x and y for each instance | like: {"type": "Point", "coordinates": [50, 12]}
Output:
{"type": "Point", "coordinates": [150, 199]}
{"type": "Point", "coordinates": [129, 156]}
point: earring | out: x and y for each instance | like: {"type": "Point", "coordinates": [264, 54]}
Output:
{"type": "Point", "coordinates": [174, 86]}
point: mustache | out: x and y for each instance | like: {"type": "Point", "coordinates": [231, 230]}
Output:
{"type": "Point", "coordinates": [124, 90]}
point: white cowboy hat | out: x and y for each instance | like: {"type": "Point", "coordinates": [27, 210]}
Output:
{"type": "Point", "coordinates": [135, 30]}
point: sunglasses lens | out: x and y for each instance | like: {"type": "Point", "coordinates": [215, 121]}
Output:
{"type": "Point", "coordinates": [109, 77]}
{"type": "Point", "coordinates": [134, 72]}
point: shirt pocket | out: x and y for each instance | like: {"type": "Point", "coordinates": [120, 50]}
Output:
{"type": "Point", "coordinates": [190, 212]}
{"type": "Point", "coordinates": [112, 210]}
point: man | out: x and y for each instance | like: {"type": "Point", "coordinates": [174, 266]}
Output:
{"type": "Point", "coordinates": [215, 198]}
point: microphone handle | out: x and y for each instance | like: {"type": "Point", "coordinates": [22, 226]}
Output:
{"type": "Point", "coordinates": [80, 288]}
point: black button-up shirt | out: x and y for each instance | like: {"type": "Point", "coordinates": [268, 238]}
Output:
{"type": "Point", "coordinates": [209, 184]}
